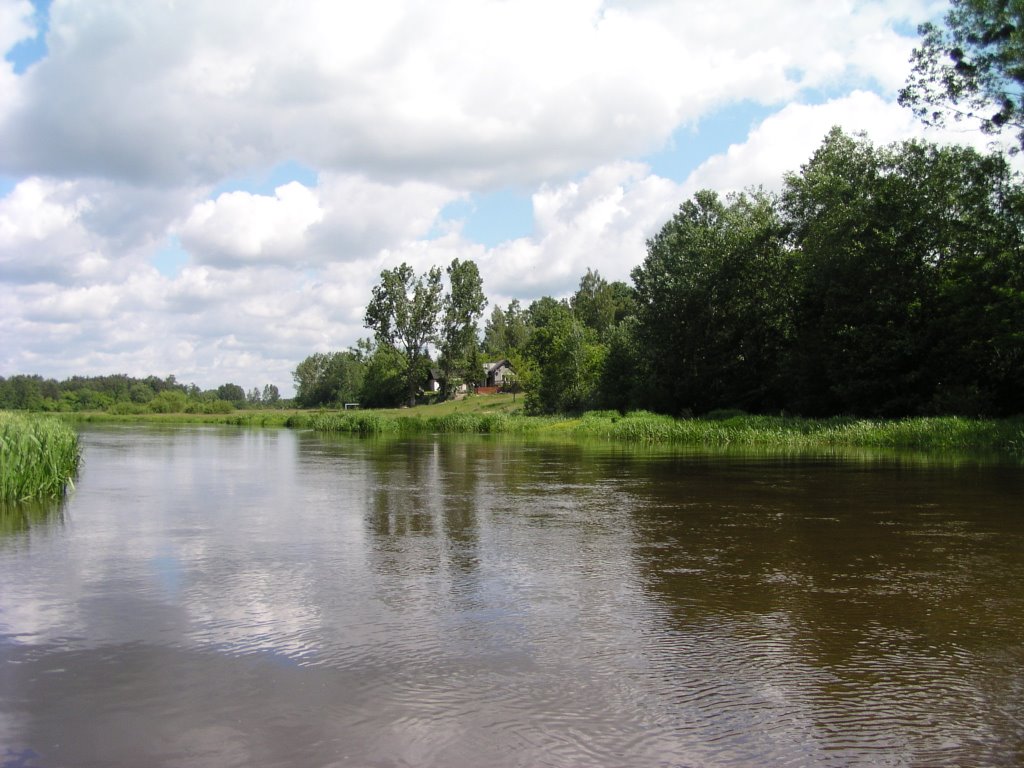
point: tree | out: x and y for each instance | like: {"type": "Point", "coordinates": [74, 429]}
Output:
{"type": "Point", "coordinates": [326, 378]}
{"type": "Point", "coordinates": [495, 341]}
{"type": "Point", "coordinates": [506, 331]}
{"type": "Point", "coordinates": [232, 393]}
{"type": "Point", "coordinates": [385, 382]}
{"type": "Point", "coordinates": [600, 305]}
{"type": "Point", "coordinates": [973, 68]}
{"type": "Point", "coordinates": [911, 290]}
{"type": "Point", "coordinates": [593, 303]}
{"type": "Point", "coordinates": [271, 395]}
{"type": "Point", "coordinates": [404, 311]}
{"type": "Point", "coordinates": [463, 307]}
{"type": "Point", "coordinates": [622, 375]}
{"type": "Point", "coordinates": [560, 367]}
{"type": "Point", "coordinates": [713, 306]}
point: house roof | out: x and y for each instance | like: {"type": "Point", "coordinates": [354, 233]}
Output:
{"type": "Point", "coordinates": [495, 365]}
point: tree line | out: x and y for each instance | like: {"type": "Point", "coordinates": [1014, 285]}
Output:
{"type": "Point", "coordinates": [120, 393]}
{"type": "Point", "coordinates": [882, 281]}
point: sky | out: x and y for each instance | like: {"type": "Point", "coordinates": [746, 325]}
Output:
{"type": "Point", "coordinates": [211, 189]}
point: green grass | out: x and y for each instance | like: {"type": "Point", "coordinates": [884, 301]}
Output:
{"type": "Point", "coordinates": [929, 434]}
{"type": "Point", "coordinates": [39, 456]}
{"type": "Point", "coordinates": [503, 414]}
{"type": "Point", "coordinates": [247, 418]}
{"type": "Point", "coordinates": [774, 432]}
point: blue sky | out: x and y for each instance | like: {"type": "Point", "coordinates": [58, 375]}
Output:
{"type": "Point", "coordinates": [211, 191]}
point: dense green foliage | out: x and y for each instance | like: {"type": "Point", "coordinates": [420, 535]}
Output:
{"type": "Point", "coordinates": [885, 282]}
{"type": "Point", "coordinates": [909, 291]}
{"type": "Point", "coordinates": [715, 298]}
{"type": "Point", "coordinates": [971, 68]}
{"type": "Point", "coordinates": [458, 346]}
{"type": "Point", "coordinates": [38, 456]}
{"type": "Point", "coordinates": [122, 394]}
{"type": "Point", "coordinates": [329, 378]}
{"type": "Point", "coordinates": [403, 313]}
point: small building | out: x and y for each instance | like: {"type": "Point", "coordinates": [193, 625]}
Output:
{"type": "Point", "coordinates": [496, 372]}
{"type": "Point", "coordinates": [433, 383]}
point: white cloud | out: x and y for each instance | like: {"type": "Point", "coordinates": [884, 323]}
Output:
{"type": "Point", "coordinates": [240, 227]}
{"type": "Point", "coordinates": [786, 140]}
{"type": "Point", "coordinates": [42, 236]}
{"type": "Point", "coordinates": [399, 107]}
{"type": "Point", "coordinates": [343, 218]}
{"type": "Point", "coordinates": [469, 92]}
{"type": "Point", "coordinates": [15, 23]}
{"type": "Point", "coordinates": [81, 230]}
{"type": "Point", "coordinates": [601, 222]}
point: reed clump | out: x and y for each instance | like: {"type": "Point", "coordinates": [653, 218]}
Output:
{"type": "Point", "coordinates": [925, 433]}
{"type": "Point", "coordinates": [39, 457]}
{"type": "Point", "coordinates": [720, 430]}
{"type": "Point", "coordinates": [464, 423]}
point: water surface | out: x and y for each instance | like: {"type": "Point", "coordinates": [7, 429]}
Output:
{"type": "Point", "coordinates": [228, 597]}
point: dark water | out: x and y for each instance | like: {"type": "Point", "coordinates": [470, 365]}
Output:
{"type": "Point", "coordinates": [215, 597]}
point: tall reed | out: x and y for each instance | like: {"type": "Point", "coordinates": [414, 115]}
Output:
{"type": "Point", "coordinates": [39, 456]}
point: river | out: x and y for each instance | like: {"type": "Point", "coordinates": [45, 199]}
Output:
{"type": "Point", "coordinates": [214, 596]}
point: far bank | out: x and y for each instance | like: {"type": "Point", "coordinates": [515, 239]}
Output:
{"type": "Point", "coordinates": [503, 414]}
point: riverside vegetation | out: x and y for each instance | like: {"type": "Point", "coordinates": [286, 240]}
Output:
{"type": "Point", "coordinates": [504, 414]}
{"type": "Point", "coordinates": [950, 433]}
{"type": "Point", "coordinates": [39, 457]}
{"type": "Point", "coordinates": [881, 295]}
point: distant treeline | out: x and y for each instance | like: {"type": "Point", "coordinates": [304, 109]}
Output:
{"type": "Point", "coordinates": [124, 394]}
{"type": "Point", "coordinates": [881, 282]}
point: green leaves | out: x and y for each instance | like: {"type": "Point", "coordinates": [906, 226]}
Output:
{"type": "Point", "coordinates": [714, 305]}
{"type": "Point", "coordinates": [972, 68]}
{"type": "Point", "coordinates": [39, 456]}
{"type": "Point", "coordinates": [463, 307]}
{"type": "Point", "coordinates": [404, 311]}
{"type": "Point", "coordinates": [886, 281]}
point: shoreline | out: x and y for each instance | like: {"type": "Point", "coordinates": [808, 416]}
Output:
{"type": "Point", "coordinates": [932, 433]}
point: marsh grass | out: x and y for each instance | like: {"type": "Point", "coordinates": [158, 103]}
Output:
{"type": "Point", "coordinates": [253, 418]}
{"type": "Point", "coordinates": [502, 414]}
{"type": "Point", "coordinates": [39, 457]}
{"type": "Point", "coordinates": [382, 423]}
{"type": "Point", "coordinates": [929, 434]}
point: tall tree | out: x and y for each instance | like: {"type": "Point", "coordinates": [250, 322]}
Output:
{"type": "Point", "coordinates": [971, 68]}
{"type": "Point", "coordinates": [861, 321]}
{"type": "Point", "coordinates": [713, 306]}
{"type": "Point", "coordinates": [910, 295]}
{"type": "Point", "coordinates": [593, 303]}
{"type": "Point", "coordinates": [506, 331]}
{"type": "Point", "coordinates": [403, 311]}
{"type": "Point", "coordinates": [271, 395]}
{"type": "Point", "coordinates": [463, 307]}
{"type": "Point", "coordinates": [495, 333]}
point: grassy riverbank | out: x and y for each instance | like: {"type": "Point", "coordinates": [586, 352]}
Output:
{"type": "Point", "coordinates": [39, 456]}
{"type": "Point", "coordinates": [502, 414]}
{"type": "Point", "coordinates": [930, 434]}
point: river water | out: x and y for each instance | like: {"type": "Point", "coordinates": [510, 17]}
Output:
{"type": "Point", "coordinates": [227, 597]}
